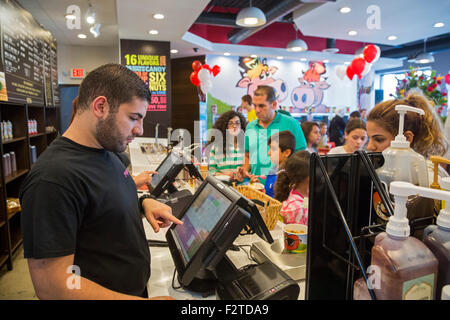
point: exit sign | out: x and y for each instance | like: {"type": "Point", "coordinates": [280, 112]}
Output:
{"type": "Point", "coordinates": [77, 73]}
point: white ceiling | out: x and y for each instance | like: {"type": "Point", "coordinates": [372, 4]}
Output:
{"type": "Point", "coordinates": [409, 20]}
{"type": "Point", "coordinates": [50, 14]}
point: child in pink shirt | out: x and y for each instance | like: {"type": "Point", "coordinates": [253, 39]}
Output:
{"type": "Point", "coordinates": [292, 188]}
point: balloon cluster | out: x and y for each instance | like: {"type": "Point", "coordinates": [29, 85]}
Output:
{"type": "Point", "coordinates": [201, 76]}
{"type": "Point", "coordinates": [360, 66]}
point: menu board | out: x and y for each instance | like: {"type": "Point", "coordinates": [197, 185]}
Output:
{"type": "Point", "coordinates": [26, 56]}
{"type": "Point", "coordinates": [54, 73]}
{"type": "Point", "coordinates": [3, 92]}
{"type": "Point", "coordinates": [150, 60]}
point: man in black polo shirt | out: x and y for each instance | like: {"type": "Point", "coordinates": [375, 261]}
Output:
{"type": "Point", "coordinates": [80, 212]}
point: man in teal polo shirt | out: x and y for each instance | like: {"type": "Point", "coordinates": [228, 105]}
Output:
{"type": "Point", "coordinates": [258, 132]}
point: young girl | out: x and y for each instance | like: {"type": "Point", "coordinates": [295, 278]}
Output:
{"type": "Point", "coordinates": [355, 137]}
{"type": "Point", "coordinates": [292, 188]}
{"type": "Point", "coordinates": [312, 135]}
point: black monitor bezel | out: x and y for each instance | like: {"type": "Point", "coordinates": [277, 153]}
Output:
{"type": "Point", "coordinates": [187, 271]}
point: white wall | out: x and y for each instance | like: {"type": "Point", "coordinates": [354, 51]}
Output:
{"type": "Point", "coordinates": [87, 57]}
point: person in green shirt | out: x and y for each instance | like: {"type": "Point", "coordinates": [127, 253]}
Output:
{"type": "Point", "coordinates": [257, 163]}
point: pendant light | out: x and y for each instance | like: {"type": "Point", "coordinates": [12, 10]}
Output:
{"type": "Point", "coordinates": [250, 17]}
{"type": "Point", "coordinates": [425, 57]}
{"type": "Point", "coordinates": [297, 45]}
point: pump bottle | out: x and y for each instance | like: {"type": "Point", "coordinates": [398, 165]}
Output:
{"type": "Point", "coordinates": [401, 163]}
{"type": "Point", "coordinates": [406, 268]}
{"type": "Point", "coordinates": [437, 238]}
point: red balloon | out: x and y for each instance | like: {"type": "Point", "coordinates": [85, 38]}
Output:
{"type": "Point", "coordinates": [447, 78]}
{"type": "Point", "coordinates": [215, 70]}
{"type": "Point", "coordinates": [207, 67]}
{"type": "Point", "coordinates": [350, 73]}
{"type": "Point", "coordinates": [371, 53]}
{"type": "Point", "coordinates": [196, 65]}
{"type": "Point", "coordinates": [358, 65]}
{"type": "Point", "coordinates": [194, 78]}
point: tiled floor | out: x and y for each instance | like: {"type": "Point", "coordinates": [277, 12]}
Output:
{"type": "Point", "coordinates": [16, 284]}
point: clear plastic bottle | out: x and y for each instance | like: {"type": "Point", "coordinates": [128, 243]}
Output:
{"type": "Point", "coordinates": [10, 130]}
{"type": "Point", "coordinates": [406, 269]}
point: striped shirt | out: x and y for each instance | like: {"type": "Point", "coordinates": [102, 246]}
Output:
{"type": "Point", "coordinates": [218, 161]}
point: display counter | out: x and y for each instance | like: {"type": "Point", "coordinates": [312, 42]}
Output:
{"type": "Point", "coordinates": [162, 266]}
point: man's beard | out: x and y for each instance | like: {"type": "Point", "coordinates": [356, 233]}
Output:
{"type": "Point", "coordinates": [108, 135]}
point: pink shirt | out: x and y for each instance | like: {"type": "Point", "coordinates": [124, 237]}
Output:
{"type": "Point", "coordinates": [294, 209]}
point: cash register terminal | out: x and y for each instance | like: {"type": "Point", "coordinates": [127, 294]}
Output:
{"type": "Point", "coordinates": [211, 222]}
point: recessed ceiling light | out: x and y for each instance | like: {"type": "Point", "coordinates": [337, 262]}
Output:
{"type": "Point", "coordinates": [279, 57]}
{"type": "Point", "coordinates": [226, 54]}
{"type": "Point", "coordinates": [153, 32]}
{"type": "Point", "coordinates": [326, 61]}
{"type": "Point", "coordinates": [174, 51]}
{"type": "Point", "coordinates": [352, 33]}
{"type": "Point", "coordinates": [345, 10]}
{"type": "Point", "coordinates": [70, 16]}
{"type": "Point", "coordinates": [158, 16]}
{"type": "Point", "coordinates": [303, 59]}
{"type": "Point", "coordinates": [439, 24]}
{"type": "Point", "coordinates": [253, 56]}
{"type": "Point", "coordinates": [82, 36]}
{"type": "Point", "coordinates": [392, 38]}
{"type": "Point", "coordinates": [346, 63]}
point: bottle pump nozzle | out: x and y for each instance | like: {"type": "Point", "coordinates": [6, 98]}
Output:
{"type": "Point", "coordinates": [398, 225]}
{"type": "Point", "coordinates": [400, 140]}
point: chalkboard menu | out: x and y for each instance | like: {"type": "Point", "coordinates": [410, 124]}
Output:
{"type": "Point", "coordinates": [27, 55]}
{"type": "Point", "coordinates": [150, 60]}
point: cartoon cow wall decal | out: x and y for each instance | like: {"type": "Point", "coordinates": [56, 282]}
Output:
{"type": "Point", "coordinates": [309, 95]}
{"type": "Point", "coordinates": [256, 72]}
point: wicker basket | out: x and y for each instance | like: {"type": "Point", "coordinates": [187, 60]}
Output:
{"type": "Point", "coordinates": [271, 209]}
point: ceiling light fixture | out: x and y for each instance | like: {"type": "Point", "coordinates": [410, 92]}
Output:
{"type": "Point", "coordinates": [174, 51]}
{"type": "Point", "coordinates": [439, 25]}
{"type": "Point", "coordinates": [346, 63]}
{"type": "Point", "coordinates": [392, 38]}
{"type": "Point", "coordinates": [352, 33]}
{"type": "Point", "coordinates": [280, 58]}
{"type": "Point", "coordinates": [90, 15]}
{"type": "Point", "coordinates": [82, 36]}
{"type": "Point", "coordinates": [296, 45]}
{"type": "Point", "coordinates": [253, 56]}
{"type": "Point", "coordinates": [326, 61]}
{"type": "Point", "coordinates": [95, 30]}
{"type": "Point", "coordinates": [250, 17]}
{"type": "Point", "coordinates": [158, 16]}
{"type": "Point", "coordinates": [226, 54]}
{"type": "Point", "coordinates": [153, 32]}
{"type": "Point", "coordinates": [424, 57]}
{"type": "Point", "coordinates": [345, 10]}
{"type": "Point", "coordinates": [303, 59]}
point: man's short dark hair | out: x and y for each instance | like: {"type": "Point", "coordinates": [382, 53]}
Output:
{"type": "Point", "coordinates": [267, 91]}
{"type": "Point", "coordinates": [355, 114]}
{"type": "Point", "coordinates": [247, 98]}
{"type": "Point", "coordinates": [117, 83]}
{"type": "Point", "coordinates": [286, 140]}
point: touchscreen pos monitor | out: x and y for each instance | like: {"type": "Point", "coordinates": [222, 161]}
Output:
{"type": "Point", "coordinates": [168, 170]}
{"type": "Point", "coordinates": [211, 223]}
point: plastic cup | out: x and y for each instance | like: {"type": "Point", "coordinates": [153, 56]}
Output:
{"type": "Point", "coordinates": [295, 237]}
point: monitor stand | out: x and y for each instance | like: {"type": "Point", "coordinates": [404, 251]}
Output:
{"type": "Point", "coordinates": [206, 281]}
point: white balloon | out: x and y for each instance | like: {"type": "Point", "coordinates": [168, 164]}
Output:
{"type": "Point", "coordinates": [204, 75]}
{"type": "Point", "coordinates": [206, 86]}
{"type": "Point", "coordinates": [341, 71]}
{"type": "Point", "coordinates": [366, 70]}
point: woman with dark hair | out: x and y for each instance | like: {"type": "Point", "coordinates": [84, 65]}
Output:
{"type": "Point", "coordinates": [311, 131]}
{"type": "Point", "coordinates": [227, 153]}
{"type": "Point", "coordinates": [355, 137]}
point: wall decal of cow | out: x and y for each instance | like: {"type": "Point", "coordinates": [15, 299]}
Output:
{"type": "Point", "coordinates": [256, 72]}
{"type": "Point", "coordinates": [309, 95]}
